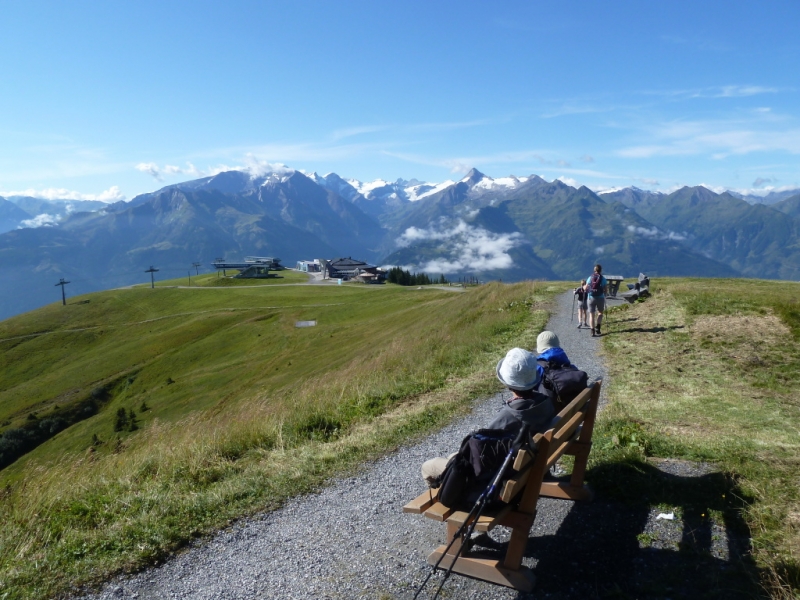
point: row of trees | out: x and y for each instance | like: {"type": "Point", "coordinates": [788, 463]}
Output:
{"type": "Point", "coordinates": [402, 277]}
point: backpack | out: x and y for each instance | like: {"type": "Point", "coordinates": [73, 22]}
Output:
{"type": "Point", "coordinates": [474, 466]}
{"type": "Point", "coordinates": [565, 381]}
{"type": "Point", "coordinates": [596, 284]}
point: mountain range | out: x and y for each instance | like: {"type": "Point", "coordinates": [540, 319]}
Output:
{"type": "Point", "coordinates": [507, 228]}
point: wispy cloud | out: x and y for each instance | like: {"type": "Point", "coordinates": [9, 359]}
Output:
{"type": "Point", "coordinates": [723, 91]}
{"type": "Point", "coordinates": [158, 173]}
{"type": "Point", "coordinates": [575, 109]}
{"type": "Point", "coordinates": [347, 132]}
{"type": "Point", "coordinates": [762, 181]}
{"type": "Point", "coordinates": [743, 134]}
{"type": "Point", "coordinates": [464, 248]}
{"type": "Point", "coordinates": [656, 233]}
{"type": "Point", "coordinates": [43, 220]}
{"type": "Point", "coordinates": [112, 194]}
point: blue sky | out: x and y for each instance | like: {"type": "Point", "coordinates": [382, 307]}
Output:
{"type": "Point", "coordinates": [111, 99]}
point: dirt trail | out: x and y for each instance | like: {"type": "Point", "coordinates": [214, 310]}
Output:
{"type": "Point", "coordinates": [351, 540]}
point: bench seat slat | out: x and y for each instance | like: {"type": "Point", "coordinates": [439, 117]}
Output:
{"type": "Point", "coordinates": [486, 522]}
{"type": "Point", "coordinates": [422, 502]}
{"type": "Point", "coordinates": [438, 512]}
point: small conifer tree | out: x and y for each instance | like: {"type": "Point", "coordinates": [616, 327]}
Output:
{"type": "Point", "coordinates": [121, 422]}
{"type": "Point", "coordinates": [133, 424]}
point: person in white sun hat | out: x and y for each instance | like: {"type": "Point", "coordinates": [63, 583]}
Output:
{"type": "Point", "coordinates": [530, 402]}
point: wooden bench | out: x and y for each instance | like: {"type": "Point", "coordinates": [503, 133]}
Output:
{"type": "Point", "coordinates": [571, 434]}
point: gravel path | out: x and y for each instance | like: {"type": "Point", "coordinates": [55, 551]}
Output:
{"type": "Point", "coordinates": [351, 540]}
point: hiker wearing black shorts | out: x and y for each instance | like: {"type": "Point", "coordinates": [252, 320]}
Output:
{"type": "Point", "coordinates": [596, 286]}
{"type": "Point", "coordinates": [582, 296]}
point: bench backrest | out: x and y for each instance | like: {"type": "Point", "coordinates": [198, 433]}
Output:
{"type": "Point", "coordinates": [575, 421]}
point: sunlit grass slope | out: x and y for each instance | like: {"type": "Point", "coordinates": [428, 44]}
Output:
{"type": "Point", "coordinates": [221, 280]}
{"type": "Point", "coordinates": [710, 370]}
{"type": "Point", "coordinates": [236, 408]}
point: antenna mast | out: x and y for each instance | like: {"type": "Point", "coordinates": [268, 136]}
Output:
{"type": "Point", "coordinates": [62, 283]}
{"type": "Point", "coordinates": [151, 270]}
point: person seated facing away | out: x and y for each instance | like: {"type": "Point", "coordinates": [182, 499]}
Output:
{"type": "Point", "coordinates": [561, 378]}
{"type": "Point", "coordinates": [529, 403]}
{"type": "Point", "coordinates": [549, 350]}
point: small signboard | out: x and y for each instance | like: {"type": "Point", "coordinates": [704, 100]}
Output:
{"type": "Point", "coordinates": [305, 323]}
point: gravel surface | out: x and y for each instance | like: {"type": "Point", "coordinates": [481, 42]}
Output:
{"type": "Point", "coordinates": [351, 540]}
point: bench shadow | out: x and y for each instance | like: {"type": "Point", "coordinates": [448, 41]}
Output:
{"type": "Point", "coordinates": [642, 329]}
{"type": "Point", "coordinates": [613, 547]}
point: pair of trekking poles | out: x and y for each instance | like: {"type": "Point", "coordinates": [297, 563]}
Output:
{"type": "Point", "coordinates": [468, 526]}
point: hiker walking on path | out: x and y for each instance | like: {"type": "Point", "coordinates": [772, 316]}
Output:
{"type": "Point", "coordinates": [581, 295]}
{"type": "Point", "coordinates": [596, 286]}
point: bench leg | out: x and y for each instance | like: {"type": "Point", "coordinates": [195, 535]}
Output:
{"type": "Point", "coordinates": [452, 528]}
{"type": "Point", "coordinates": [520, 529]}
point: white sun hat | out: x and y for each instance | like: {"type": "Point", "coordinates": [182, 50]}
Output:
{"type": "Point", "coordinates": [519, 370]}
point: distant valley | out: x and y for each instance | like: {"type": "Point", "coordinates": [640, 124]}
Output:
{"type": "Point", "coordinates": [510, 228]}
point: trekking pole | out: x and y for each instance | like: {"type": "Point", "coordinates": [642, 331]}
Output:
{"type": "Point", "coordinates": [572, 314]}
{"type": "Point", "coordinates": [474, 514]}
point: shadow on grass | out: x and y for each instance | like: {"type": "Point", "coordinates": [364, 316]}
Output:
{"type": "Point", "coordinates": [598, 550]}
{"type": "Point", "coordinates": [613, 548]}
{"type": "Point", "coordinates": [642, 329]}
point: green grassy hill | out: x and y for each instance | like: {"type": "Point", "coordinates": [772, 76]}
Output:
{"type": "Point", "coordinates": [235, 408]}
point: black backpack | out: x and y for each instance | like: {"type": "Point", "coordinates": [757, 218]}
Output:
{"type": "Point", "coordinates": [565, 381]}
{"type": "Point", "coordinates": [474, 467]}
{"type": "Point", "coordinates": [595, 284]}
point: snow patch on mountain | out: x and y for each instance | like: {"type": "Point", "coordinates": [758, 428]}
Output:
{"type": "Point", "coordinates": [418, 192]}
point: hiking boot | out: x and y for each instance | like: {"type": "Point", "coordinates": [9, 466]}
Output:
{"type": "Point", "coordinates": [597, 330]}
{"type": "Point", "coordinates": [579, 325]}
{"type": "Point", "coordinates": [593, 332]}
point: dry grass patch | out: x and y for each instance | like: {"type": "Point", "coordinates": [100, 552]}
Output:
{"type": "Point", "coordinates": [710, 372]}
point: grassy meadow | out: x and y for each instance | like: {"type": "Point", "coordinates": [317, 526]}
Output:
{"type": "Point", "coordinates": [709, 370]}
{"type": "Point", "coordinates": [190, 408]}
{"type": "Point", "coordinates": [220, 280]}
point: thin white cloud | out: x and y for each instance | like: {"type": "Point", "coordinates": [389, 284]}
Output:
{"type": "Point", "coordinates": [158, 173]}
{"type": "Point", "coordinates": [464, 248]}
{"type": "Point", "coordinates": [718, 139]}
{"type": "Point", "coordinates": [347, 132]}
{"type": "Point", "coordinates": [570, 182]}
{"type": "Point", "coordinates": [724, 91]}
{"type": "Point", "coordinates": [112, 194]}
{"type": "Point", "coordinates": [575, 109]}
{"type": "Point", "coordinates": [151, 169]}
{"type": "Point", "coordinates": [655, 233]}
{"type": "Point", "coordinates": [43, 220]}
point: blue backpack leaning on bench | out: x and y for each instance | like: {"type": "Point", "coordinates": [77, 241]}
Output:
{"type": "Point", "coordinates": [571, 433]}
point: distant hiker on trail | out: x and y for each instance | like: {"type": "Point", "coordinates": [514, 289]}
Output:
{"type": "Point", "coordinates": [581, 295]}
{"type": "Point", "coordinates": [596, 286]}
{"type": "Point", "coordinates": [530, 403]}
{"type": "Point", "coordinates": [561, 377]}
